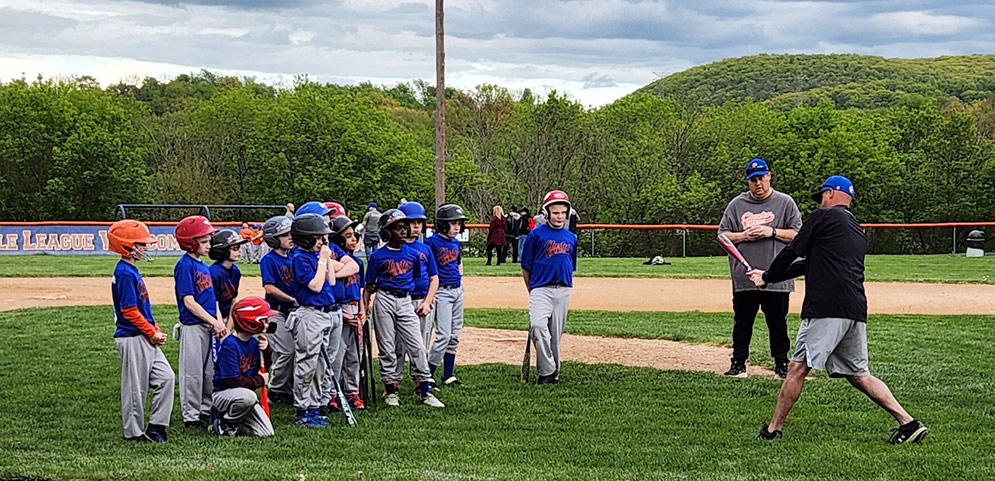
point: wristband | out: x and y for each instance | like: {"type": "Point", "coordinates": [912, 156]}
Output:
{"type": "Point", "coordinates": [773, 232]}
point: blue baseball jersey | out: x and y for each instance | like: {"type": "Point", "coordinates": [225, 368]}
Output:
{"type": "Point", "coordinates": [191, 277]}
{"type": "Point", "coordinates": [424, 270]}
{"type": "Point", "coordinates": [128, 290]}
{"type": "Point", "coordinates": [550, 256]}
{"type": "Point", "coordinates": [392, 268]}
{"type": "Point", "coordinates": [235, 358]}
{"type": "Point", "coordinates": [339, 288]}
{"type": "Point", "coordinates": [448, 257]}
{"type": "Point", "coordinates": [279, 271]}
{"type": "Point", "coordinates": [353, 284]}
{"type": "Point", "coordinates": [225, 283]}
{"type": "Point", "coordinates": [305, 265]}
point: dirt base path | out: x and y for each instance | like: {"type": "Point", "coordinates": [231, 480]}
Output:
{"type": "Point", "coordinates": [481, 346]}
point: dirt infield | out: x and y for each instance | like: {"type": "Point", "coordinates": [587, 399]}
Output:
{"type": "Point", "coordinates": [481, 346]}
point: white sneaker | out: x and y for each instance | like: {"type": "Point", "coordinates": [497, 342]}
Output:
{"type": "Point", "coordinates": [392, 399]}
{"type": "Point", "coordinates": [452, 382]}
{"type": "Point", "coordinates": [432, 401]}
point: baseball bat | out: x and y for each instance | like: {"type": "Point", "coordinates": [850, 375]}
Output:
{"type": "Point", "coordinates": [350, 418]}
{"type": "Point", "coordinates": [363, 381]}
{"type": "Point", "coordinates": [370, 372]}
{"type": "Point", "coordinates": [527, 361]}
{"type": "Point", "coordinates": [733, 251]}
{"type": "Point", "coordinates": [263, 395]}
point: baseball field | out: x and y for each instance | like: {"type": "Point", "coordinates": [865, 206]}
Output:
{"type": "Point", "coordinates": [639, 397]}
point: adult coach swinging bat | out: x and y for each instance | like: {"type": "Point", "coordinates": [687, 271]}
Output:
{"type": "Point", "coordinates": [733, 251]}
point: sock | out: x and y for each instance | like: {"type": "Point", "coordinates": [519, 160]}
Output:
{"type": "Point", "coordinates": [423, 389]}
{"type": "Point", "coordinates": [432, 368]}
{"type": "Point", "coordinates": [448, 365]}
{"type": "Point", "coordinates": [300, 413]}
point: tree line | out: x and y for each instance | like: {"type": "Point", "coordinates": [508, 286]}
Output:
{"type": "Point", "coordinates": [70, 150]}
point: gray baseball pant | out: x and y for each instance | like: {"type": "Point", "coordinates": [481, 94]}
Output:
{"type": "Point", "coordinates": [425, 323]}
{"type": "Point", "coordinates": [397, 323]}
{"type": "Point", "coordinates": [548, 307]}
{"type": "Point", "coordinates": [143, 366]}
{"type": "Point", "coordinates": [196, 371]}
{"type": "Point", "coordinates": [310, 327]}
{"type": "Point", "coordinates": [347, 357]}
{"type": "Point", "coordinates": [241, 406]}
{"type": "Point", "coordinates": [329, 390]}
{"type": "Point", "coordinates": [448, 323]}
{"type": "Point", "coordinates": [281, 378]}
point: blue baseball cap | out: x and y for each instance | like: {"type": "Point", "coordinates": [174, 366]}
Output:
{"type": "Point", "coordinates": [373, 204]}
{"type": "Point", "coordinates": [835, 182]}
{"type": "Point", "coordinates": [756, 167]}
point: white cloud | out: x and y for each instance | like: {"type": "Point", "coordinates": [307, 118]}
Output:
{"type": "Point", "coordinates": [581, 47]}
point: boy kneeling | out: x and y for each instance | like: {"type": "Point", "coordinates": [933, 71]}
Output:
{"type": "Point", "coordinates": [236, 409]}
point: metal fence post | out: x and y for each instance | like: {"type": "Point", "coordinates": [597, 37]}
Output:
{"type": "Point", "coordinates": [592, 242]}
{"type": "Point", "coordinates": [684, 243]}
{"type": "Point", "coordinates": [955, 240]}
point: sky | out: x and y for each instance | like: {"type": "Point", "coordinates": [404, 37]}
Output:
{"type": "Point", "coordinates": [593, 50]}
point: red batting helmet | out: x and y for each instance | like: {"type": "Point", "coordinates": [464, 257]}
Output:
{"type": "Point", "coordinates": [555, 197]}
{"type": "Point", "coordinates": [191, 228]}
{"type": "Point", "coordinates": [124, 234]}
{"type": "Point", "coordinates": [250, 314]}
{"type": "Point", "coordinates": [335, 209]}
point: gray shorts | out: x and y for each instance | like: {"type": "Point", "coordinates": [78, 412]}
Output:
{"type": "Point", "coordinates": [838, 346]}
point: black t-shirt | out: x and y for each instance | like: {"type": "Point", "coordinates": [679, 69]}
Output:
{"type": "Point", "coordinates": [833, 246]}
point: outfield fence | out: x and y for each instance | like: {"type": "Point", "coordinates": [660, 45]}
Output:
{"type": "Point", "coordinates": [605, 240]}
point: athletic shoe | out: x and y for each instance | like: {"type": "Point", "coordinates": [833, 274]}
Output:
{"type": "Point", "coordinates": [781, 369]}
{"type": "Point", "coordinates": [431, 400]}
{"type": "Point", "coordinates": [156, 433]}
{"type": "Point", "coordinates": [432, 386]}
{"type": "Point", "coordinates": [307, 422]}
{"type": "Point", "coordinates": [282, 398]}
{"type": "Point", "coordinates": [141, 438]}
{"type": "Point", "coordinates": [198, 424]}
{"type": "Point", "coordinates": [315, 414]}
{"type": "Point", "coordinates": [912, 431]}
{"type": "Point", "coordinates": [355, 402]}
{"type": "Point", "coordinates": [332, 407]}
{"type": "Point", "coordinates": [452, 382]}
{"type": "Point", "coordinates": [767, 435]}
{"type": "Point", "coordinates": [392, 399]}
{"type": "Point", "coordinates": [550, 379]}
{"type": "Point", "coordinates": [737, 369]}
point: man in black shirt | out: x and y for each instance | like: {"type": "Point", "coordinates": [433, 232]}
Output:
{"type": "Point", "coordinates": [829, 250]}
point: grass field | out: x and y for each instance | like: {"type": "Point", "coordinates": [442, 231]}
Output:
{"type": "Point", "coordinates": [931, 268]}
{"type": "Point", "coordinates": [59, 414]}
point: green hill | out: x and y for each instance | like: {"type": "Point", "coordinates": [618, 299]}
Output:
{"type": "Point", "coordinates": [845, 80]}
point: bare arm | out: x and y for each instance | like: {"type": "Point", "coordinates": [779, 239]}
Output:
{"type": "Point", "coordinates": [200, 313]}
{"type": "Point", "coordinates": [348, 268]}
{"type": "Point", "coordinates": [525, 276]}
{"type": "Point", "coordinates": [277, 294]}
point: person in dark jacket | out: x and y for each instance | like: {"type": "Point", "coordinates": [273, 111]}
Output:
{"type": "Point", "coordinates": [527, 225]}
{"type": "Point", "coordinates": [833, 332]}
{"type": "Point", "coordinates": [496, 233]}
{"type": "Point", "coordinates": [516, 226]}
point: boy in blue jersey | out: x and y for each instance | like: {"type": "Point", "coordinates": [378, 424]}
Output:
{"type": "Point", "coordinates": [236, 409]}
{"type": "Point", "coordinates": [391, 275]}
{"type": "Point", "coordinates": [347, 360]}
{"type": "Point", "coordinates": [199, 317]}
{"type": "Point", "coordinates": [449, 223]}
{"type": "Point", "coordinates": [226, 249]}
{"type": "Point", "coordinates": [548, 261]}
{"type": "Point", "coordinates": [346, 268]}
{"type": "Point", "coordinates": [276, 269]}
{"type": "Point", "coordinates": [138, 338]}
{"type": "Point", "coordinates": [313, 277]}
{"type": "Point", "coordinates": [426, 281]}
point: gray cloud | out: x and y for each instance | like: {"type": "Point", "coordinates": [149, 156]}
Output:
{"type": "Point", "coordinates": [592, 48]}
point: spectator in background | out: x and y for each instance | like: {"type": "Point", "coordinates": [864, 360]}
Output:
{"type": "Point", "coordinates": [539, 219]}
{"type": "Point", "coordinates": [371, 233]}
{"type": "Point", "coordinates": [573, 221]}
{"type": "Point", "coordinates": [496, 236]}
{"type": "Point", "coordinates": [290, 210]}
{"type": "Point", "coordinates": [514, 222]}
{"type": "Point", "coordinates": [528, 223]}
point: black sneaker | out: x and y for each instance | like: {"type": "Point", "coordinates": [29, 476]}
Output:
{"type": "Point", "coordinates": [913, 431]}
{"type": "Point", "coordinates": [157, 433]}
{"type": "Point", "coordinates": [737, 369]}
{"type": "Point", "coordinates": [767, 435]}
{"type": "Point", "coordinates": [550, 379]}
{"type": "Point", "coordinates": [141, 438]}
{"type": "Point", "coordinates": [198, 424]}
{"type": "Point", "coordinates": [781, 369]}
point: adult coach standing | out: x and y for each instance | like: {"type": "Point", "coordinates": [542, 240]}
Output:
{"type": "Point", "coordinates": [371, 233]}
{"type": "Point", "coordinates": [833, 333]}
{"type": "Point", "coordinates": [761, 221]}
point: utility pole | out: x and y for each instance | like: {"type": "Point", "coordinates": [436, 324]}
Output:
{"type": "Point", "coordinates": [440, 107]}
